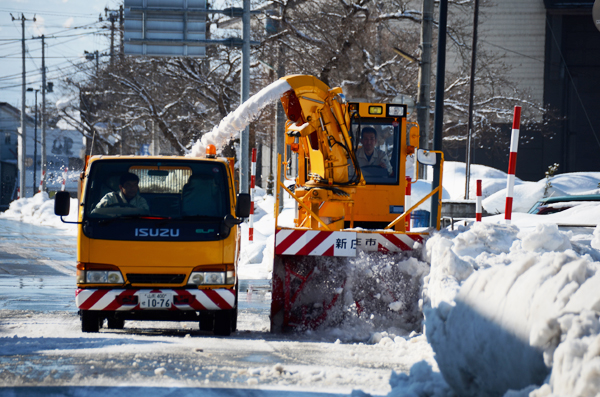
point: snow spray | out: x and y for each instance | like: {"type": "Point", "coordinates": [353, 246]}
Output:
{"type": "Point", "coordinates": [64, 181]}
{"type": "Point", "coordinates": [240, 118]}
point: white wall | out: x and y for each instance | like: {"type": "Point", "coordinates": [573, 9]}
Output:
{"type": "Point", "coordinates": [516, 31]}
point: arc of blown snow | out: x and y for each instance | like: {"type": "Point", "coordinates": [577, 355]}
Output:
{"type": "Point", "coordinates": [240, 118]}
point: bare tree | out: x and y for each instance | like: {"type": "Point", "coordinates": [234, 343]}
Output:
{"type": "Point", "coordinates": [347, 43]}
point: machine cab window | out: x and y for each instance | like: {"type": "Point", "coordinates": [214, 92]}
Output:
{"type": "Point", "coordinates": [377, 152]}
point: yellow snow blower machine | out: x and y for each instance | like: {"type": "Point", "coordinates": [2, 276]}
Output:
{"type": "Point", "coordinates": [350, 252]}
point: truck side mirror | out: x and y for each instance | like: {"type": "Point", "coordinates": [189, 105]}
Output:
{"type": "Point", "coordinates": [242, 206]}
{"type": "Point", "coordinates": [62, 203]}
{"type": "Point", "coordinates": [426, 157]}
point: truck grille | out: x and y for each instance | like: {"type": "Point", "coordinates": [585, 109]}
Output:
{"type": "Point", "coordinates": [156, 278]}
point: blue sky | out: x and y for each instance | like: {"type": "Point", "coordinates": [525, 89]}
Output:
{"type": "Point", "coordinates": [70, 27]}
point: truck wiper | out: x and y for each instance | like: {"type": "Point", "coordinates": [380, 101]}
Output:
{"type": "Point", "coordinates": [108, 221]}
{"type": "Point", "coordinates": [201, 218]}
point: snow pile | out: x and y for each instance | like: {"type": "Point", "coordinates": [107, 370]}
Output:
{"type": "Point", "coordinates": [506, 308]}
{"type": "Point", "coordinates": [526, 194]}
{"type": "Point", "coordinates": [454, 180]}
{"type": "Point", "coordinates": [39, 209]}
{"type": "Point", "coordinates": [240, 118]}
{"type": "Point", "coordinates": [492, 180]}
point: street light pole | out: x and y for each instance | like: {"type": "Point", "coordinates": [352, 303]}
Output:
{"type": "Point", "coordinates": [438, 120]}
{"type": "Point", "coordinates": [245, 94]}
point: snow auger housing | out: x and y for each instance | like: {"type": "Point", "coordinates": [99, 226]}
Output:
{"type": "Point", "coordinates": [351, 213]}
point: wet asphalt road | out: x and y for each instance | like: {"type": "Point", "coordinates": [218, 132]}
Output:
{"type": "Point", "coordinates": [37, 267]}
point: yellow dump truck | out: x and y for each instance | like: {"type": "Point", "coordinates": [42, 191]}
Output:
{"type": "Point", "coordinates": [158, 239]}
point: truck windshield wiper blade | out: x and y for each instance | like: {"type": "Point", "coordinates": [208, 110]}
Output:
{"type": "Point", "coordinates": [202, 218]}
{"type": "Point", "coordinates": [107, 221]}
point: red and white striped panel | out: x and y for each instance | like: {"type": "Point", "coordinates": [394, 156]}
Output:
{"type": "Point", "coordinates": [314, 243]}
{"type": "Point", "coordinates": [512, 164]}
{"type": "Point", "coordinates": [183, 299]}
{"type": "Point", "coordinates": [322, 243]}
{"type": "Point", "coordinates": [387, 242]}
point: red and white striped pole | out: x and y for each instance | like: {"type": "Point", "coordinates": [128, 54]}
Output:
{"type": "Point", "coordinates": [407, 203]}
{"type": "Point", "coordinates": [42, 181]}
{"type": "Point", "coordinates": [252, 185]}
{"type": "Point", "coordinates": [478, 207]}
{"type": "Point", "coordinates": [64, 181]}
{"type": "Point", "coordinates": [512, 163]}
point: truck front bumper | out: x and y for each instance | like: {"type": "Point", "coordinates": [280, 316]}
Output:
{"type": "Point", "coordinates": [136, 299]}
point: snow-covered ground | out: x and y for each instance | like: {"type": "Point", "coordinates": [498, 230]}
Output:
{"type": "Point", "coordinates": [509, 309]}
{"type": "Point", "coordinates": [507, 306]}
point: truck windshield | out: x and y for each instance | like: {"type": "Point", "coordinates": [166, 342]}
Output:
{"type": "Point", "coordinates": [172, 189]}
{"type": "Point", "coordinates": [377, 154]}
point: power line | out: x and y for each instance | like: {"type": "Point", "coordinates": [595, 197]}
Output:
{"type": "Point", "coordinates": [37, 11]}
{"type": "Point", "coordinates": [49, 46]}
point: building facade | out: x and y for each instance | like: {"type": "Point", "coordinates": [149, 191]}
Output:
{"type": "Point", "coordinates": [552, 50]}
{"type": "Point", "coordinates": [64, 149]}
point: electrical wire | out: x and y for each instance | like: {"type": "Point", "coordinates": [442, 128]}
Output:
{"type": "Point", "coordinates": [47, 12]}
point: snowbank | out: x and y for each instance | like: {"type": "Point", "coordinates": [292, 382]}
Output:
{"type": "Point", "coordinates": [39, 209]}
{"type": "Point", "coordinates": [492, 180]}
{"type": "Point", "coordinates": [527, 194]}
{"type": "Point", "coordinates": [506, 308]}
{"type": "Point", "coordinates": [240, 118]}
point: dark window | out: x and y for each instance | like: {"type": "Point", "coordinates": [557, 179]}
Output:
{"type": "Point", "coordinates": [174, 189]}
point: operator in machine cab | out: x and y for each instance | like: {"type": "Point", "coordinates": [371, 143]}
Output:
{"type": "Point", "coordinates": [369, 155]}
{"type": "Point", "coordinates": [127, 196]}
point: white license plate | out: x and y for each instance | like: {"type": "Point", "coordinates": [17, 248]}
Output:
{"type": "Point", "coordinates": [156, 300]}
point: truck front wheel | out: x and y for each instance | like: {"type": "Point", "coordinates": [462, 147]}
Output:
{"type": "Point", "coordinates": [207, 321]}
{"type": "Point", "coordinates": [115, 323]}
{"type": "Point", "coordinates": [224, 322]}
{"type": "Point", "coordinates": [90, 321]}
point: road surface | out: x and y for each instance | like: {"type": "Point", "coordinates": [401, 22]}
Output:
{"type": "Point", "coordinates": [43, 351]}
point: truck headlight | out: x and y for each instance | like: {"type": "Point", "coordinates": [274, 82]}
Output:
{"type": "Point", "coordinates": [395, 110]}
{"type": "Point", "coordinates": [103, 277]}
{"type": "Point", "coordinates": [207, 278]}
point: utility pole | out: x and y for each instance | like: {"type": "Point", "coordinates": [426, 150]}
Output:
{"type": "Point", "coordinates": [471, 95]}
{"type": "Point", "coordinates": [90, 56]}
{"type": "Point", "coordinates": [35, 124]}
{"type": "Point", "coordinates": [424, 95]}
{"type": "Point", "coordinates": [43, 116]}
{"type": "Point", "coordinates": [281, 118]}
{"type": "Point", "coordinates": [121, 32]}
{"type": "Point", "coordinates": [245, 138]}
{"type": "Point", "coordinates": [112, 17]}
{"type": "Point", "coordinates": [21, 138]}
{"type": "Point", "coordinates": [438, 121]}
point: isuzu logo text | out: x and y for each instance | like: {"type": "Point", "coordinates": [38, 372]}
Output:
{"type": "Point", "coordinates": [146, 232]}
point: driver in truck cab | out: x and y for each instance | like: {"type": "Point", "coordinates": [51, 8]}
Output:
{"type": "Point", "coordinates": [127, 196]}
{"type": "Point", "coordinates": [368, 154]}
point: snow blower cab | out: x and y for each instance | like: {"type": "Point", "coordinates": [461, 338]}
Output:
{"type": "Point", "coordinates": [350, 253]}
